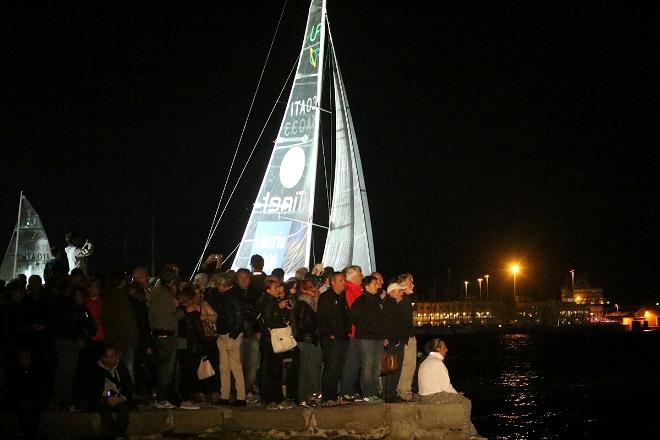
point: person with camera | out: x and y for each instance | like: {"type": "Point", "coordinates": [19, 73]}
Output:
{"type": "Point", "coordinates": [77, 251]}
{"type": "Point", "coordinates": [110, 392]}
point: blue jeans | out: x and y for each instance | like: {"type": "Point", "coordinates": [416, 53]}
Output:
{"type": "Point", "coordinates": [166, 351]}
{"type": "Point", "coordinates": [309, 374]}
{"type": "Point", "coordinates": [334, 354]}
{"type": "Point", "coordinates": [250, 358]}
{"type": "Point", "coordinates": [351, 371]}
{"type": "Point", "coordinates": [371, 356]}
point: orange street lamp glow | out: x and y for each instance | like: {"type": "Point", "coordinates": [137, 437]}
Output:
{"type": "Point", "coordinates": [514, 268]}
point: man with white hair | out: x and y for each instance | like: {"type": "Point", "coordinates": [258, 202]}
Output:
{"type": "Point", "coordinates": [435, 386]}
{"type": "Point", "coordinates": [351, 371]}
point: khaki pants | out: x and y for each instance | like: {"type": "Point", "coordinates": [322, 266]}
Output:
{"type": "Point", "coordinates": [468, 428]}
{"type": "Point", "coordinates": [404, 388]}
{"type": "Point", "coordinates": [230, 363]}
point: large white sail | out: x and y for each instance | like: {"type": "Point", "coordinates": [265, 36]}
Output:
{"type": "Point", "coordinates": [349, 240]}
{"type": "Point", "coordinates": [29, 249]}
{"type": "Point", "coordinates": [280, 226]}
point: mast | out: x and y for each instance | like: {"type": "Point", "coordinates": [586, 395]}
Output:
{"type": "Point", "coordinates": [317, 128]}
{"type": "Point", "coordinates": [18, 228]}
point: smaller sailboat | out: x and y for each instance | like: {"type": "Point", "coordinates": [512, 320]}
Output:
{"type": "Point", "coordinates": [29, 249]}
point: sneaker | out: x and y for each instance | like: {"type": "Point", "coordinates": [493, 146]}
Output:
{"type": "Point", "coordinates": [239, 403]}
{"type": "Point", "coordinates": [188, 405]}
{"type": "Point", "coordinates": [373, 399]}
{"type": "Point", "coordinates": [272, 406]}
{"type": "Point", "coordinates": [164, 404]}
{"type": "Point", "coordinates": [222, 402]}
{"type": "Point", "coordinates": [251, 398]}
{"type": "Point", "coordinates": [74, 408]}
{"type": "Point", "coordinates": [286, 404]}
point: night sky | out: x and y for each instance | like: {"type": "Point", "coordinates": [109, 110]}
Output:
{"type": "Point", "coordinates": [489, 131]}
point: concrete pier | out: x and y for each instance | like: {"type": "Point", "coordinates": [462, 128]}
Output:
{"type": "Point", "coordinates": [369, 421]}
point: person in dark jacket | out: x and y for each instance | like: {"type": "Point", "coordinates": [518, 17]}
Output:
{"type": "Point", "coordinates": [229, 306]}
{"type": "Point", "coordinates": [334, 327]}
{"type": "Point", "coordinates": [369, 320]}
{"type": "Point", "coordinates": [397, 316]}
{"type": "Point", "coordinates": [73, 329]}
{"type": "Point", "coordinates": [110, 392]}
{"type": "Point", "coordinates": [250, 296]}
{"type": "Point", "coordinates": [119, 321]}
{"type": "Point", "coordinates": [306, 332]}
{"type": "Point", "coordinates": [144, 365]}
{"type": "Point", "coordinates": [273, 314]}
{"type": "Point", "coordinates": [190, 345]}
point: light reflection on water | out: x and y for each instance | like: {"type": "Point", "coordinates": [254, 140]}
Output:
{"type": "Point", "coordinates": [518, 379]}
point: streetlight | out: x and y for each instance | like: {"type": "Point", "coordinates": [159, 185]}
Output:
{"type": "Point", "coordinates": [514, 270]}
{"type": "Point", "coordinates": [480, 280]}
{"type": "Point", "coordinates": [572, 271]}
{"type": "Point", "coordinates": [617, 307]}
{"type": "Point", "coordinates": [486, 276]}
{"type": "Point", "coordinates": [466, 284]}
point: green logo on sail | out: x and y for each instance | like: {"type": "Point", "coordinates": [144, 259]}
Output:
{"type": "Point", "coordinates": [313, 53]}
{"type": "Point", "coordinates": [315, 32]}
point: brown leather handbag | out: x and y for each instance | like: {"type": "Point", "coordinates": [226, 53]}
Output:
{"type": "Point", "coordinates": [389, 363]}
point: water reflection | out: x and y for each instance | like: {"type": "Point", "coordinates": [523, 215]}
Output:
{"type": "Point", "coordinates": [519, 379]}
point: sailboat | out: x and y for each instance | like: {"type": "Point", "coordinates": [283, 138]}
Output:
{"type": "Point", "coordinates": [281, 221]}
{"type": "Point", "coordinates": [29, 249]}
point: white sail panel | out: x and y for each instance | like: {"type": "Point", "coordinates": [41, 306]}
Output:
{"type": "Point", "coordinates": [349, 240]}
{"type": "Point", "coordinates": [33, 246]}
{"type": "Point", "coordinates": [279, 227]}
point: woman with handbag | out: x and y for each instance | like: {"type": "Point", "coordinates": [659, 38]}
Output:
{"type": "Point", "coordinates": [274, 316]}
{"type": "Point", "coordinates": [190, 345]}
{"type": "Point", "coordinates": [396, 314]}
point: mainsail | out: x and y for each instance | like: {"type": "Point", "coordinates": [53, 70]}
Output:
{"type": "Point", "coordinates": [28, 250]}
{"type": "Point", "coordinates": [280, 225]}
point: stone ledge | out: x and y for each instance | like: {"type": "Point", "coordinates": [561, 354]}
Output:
{"type": "Point", "coordinates": [395, 421]}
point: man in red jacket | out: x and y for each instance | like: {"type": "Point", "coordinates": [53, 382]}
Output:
{"type": "Point", "coordinates": [351, 371]}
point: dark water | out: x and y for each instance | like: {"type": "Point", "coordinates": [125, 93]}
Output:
{"type": "Point", "coordinates": [559, 383]}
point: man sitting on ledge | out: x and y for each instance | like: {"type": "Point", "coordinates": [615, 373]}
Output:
{"type": "Point", "coordinates": [435, 386]}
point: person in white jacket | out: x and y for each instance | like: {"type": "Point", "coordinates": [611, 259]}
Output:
{"type": "Point", "coordinates": [435, 386]}
{"type": "Point", "coordinates": [77, 252]}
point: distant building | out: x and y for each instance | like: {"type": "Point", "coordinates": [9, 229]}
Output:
{"type": "Point", "coordinates": [447, 313]}
{"type": "Point", "coordinates": [583, 293]}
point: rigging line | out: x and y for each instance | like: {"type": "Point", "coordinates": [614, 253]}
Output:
{"type": "Point", "coordinates": [217, 222]}
{"type": "Point", "coordinates": [254, 97]}
{"type": "Point", "coordinates": [254, 147]}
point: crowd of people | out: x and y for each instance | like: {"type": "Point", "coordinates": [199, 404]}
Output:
{"type": "Point", "coordinates": [112, 343]}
